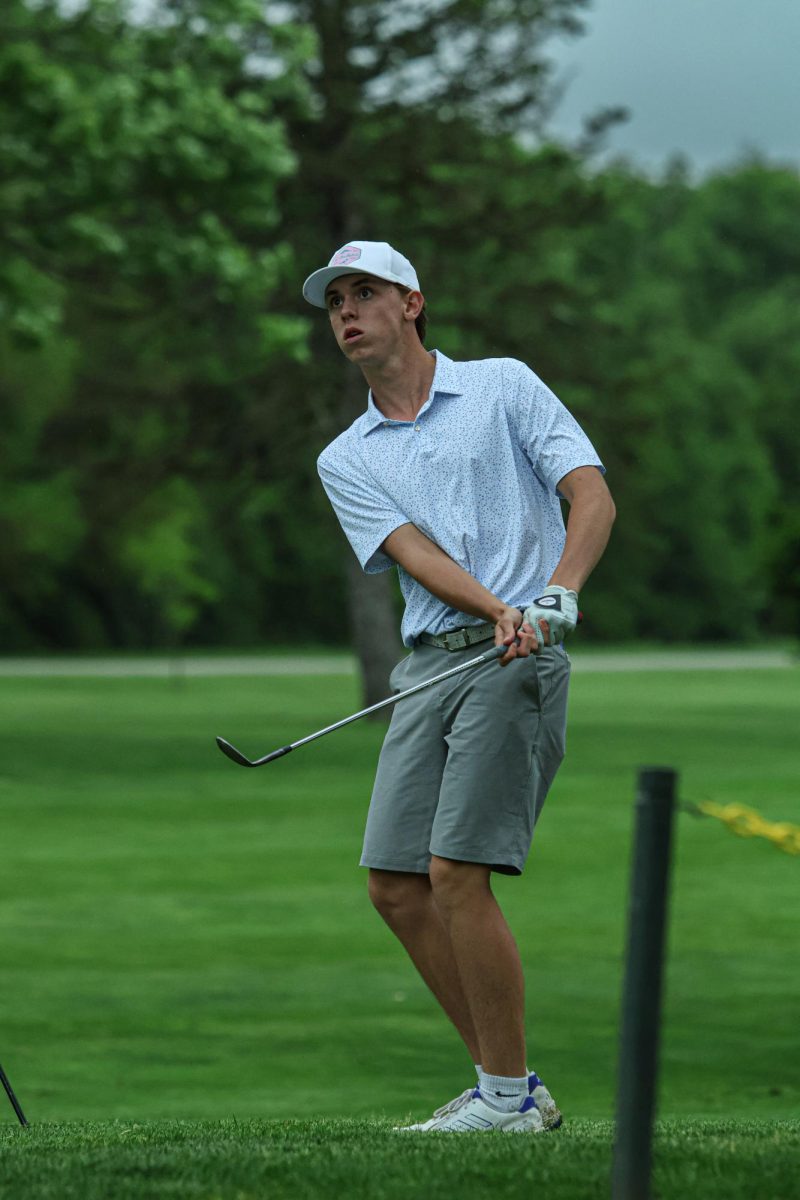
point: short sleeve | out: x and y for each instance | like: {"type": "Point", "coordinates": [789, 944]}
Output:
{"type": "Point", "coordinates": [366, 514]}
{"type": "Point", "coordinates": [548, 434]}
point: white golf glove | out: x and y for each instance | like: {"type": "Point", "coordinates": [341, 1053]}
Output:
{"type": "Point", "coordinates": [559, 607]}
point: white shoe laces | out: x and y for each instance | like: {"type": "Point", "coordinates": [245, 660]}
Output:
{"type": "Point", "coordinates": [454, 1105]}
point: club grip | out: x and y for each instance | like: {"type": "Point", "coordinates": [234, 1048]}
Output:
{"type": "Point", "coordinates": [496, 652]}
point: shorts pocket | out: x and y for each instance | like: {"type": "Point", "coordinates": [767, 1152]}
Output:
{"type": "Point", "coordinates": [395, 678]}
{"type": "Point", "coordinates": [550, 665]}
{"type": "Point", "coordinates": [531, 681]}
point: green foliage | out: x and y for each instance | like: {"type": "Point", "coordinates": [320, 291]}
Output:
{"type": "Point", "coordinates": [170, 182]}
{"type": "Point", "coordinates": [478, 60]}
{"type": "Point", "coordinates": [690, 466]}
{"type": "Point", "coordinates": [162, 548]}
{"type": "Point", "coordinates": [166, 153]}
{"type": "Point", "coordinates": [42, 527]}
{"type": "Point", "coordinates": [138, 219]}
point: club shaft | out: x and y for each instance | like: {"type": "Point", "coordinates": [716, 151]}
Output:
{"type": "Point", "coordinates": [490, 655]}
{"type": "Point", "coordinates": [12, 1097]}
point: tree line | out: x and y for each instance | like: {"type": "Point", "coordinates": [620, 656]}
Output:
{"type": "Point", "coordinates": [170, 180]}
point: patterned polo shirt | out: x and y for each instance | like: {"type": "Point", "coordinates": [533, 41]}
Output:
{"type": "Point", "coordinates": [477, 472]}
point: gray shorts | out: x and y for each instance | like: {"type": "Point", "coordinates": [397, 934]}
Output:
{"type": "Point", "coordinates": [466, 765]}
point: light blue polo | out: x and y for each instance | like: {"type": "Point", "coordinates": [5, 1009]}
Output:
{"type": "Point", "coordinates": [477, 472]}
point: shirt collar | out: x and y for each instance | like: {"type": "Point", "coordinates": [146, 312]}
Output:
{"type": "Point", "coordinates": [445, 382]}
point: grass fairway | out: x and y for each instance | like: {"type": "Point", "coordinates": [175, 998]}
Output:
{"type": "Point", "coordinates": [187, 942]}
{"type": "Point", "coordinates": [364, 1160]}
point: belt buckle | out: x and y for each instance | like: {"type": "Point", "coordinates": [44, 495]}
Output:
{"type": "Point", "coordinates": [458, 639]}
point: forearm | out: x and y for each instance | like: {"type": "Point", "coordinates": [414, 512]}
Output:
{"type": "Point", "coordinates": [591, 516]}
{"type": "Point", "coordinates": [589, 524]}
{"type": "Point", "coordinates": [441, 575]}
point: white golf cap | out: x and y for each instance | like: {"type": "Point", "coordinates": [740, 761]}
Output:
{"type": "Point", "coordinates": [361, 258]}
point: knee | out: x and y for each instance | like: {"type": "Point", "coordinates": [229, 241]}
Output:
{"type": "Point", "coordinates": [397, 895]}
{"type": "Point", "coordinates": [455, 883]}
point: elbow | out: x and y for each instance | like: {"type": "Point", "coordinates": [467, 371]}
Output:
{"type": "Point", "coordinates": [608, 500]}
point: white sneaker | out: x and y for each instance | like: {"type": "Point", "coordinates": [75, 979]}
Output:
{"type": "Point", "coordinates": [476, 1116]}
{"type": "Point", "coordinates": [451, 1107]}
{"type": "Point", "coordinates": [551, 1116]}
{"type": "Point", "coordinates": [548, 1109]}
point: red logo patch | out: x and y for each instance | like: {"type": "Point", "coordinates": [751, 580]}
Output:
{"type": "Point", "coordinates": [348, 254]}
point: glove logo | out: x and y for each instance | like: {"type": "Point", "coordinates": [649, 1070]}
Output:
{"type": "Point", "coordinates": [549, 602]}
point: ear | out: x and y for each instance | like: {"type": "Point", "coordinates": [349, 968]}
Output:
{"type": "Point", "coordinates": [413, 306]}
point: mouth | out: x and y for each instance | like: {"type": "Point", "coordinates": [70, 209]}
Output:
{"type": "Point", "coordinates": [352, 334]}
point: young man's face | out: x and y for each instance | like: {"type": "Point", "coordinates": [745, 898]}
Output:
{"type": "Point", "coordinates": [369, 317]}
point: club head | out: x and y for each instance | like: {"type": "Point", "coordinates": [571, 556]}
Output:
{"type": "Point", "coordinates": [233, 753]}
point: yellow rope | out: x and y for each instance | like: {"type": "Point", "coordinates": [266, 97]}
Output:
{"type": "Point", "coordinates": [746, 822]}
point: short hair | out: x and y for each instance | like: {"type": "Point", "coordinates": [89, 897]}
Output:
{"type": "Point", "coordinates": [421, 323]}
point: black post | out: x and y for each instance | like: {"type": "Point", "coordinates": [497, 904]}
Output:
{"type": "Point", "coordinates": [641, 1003]}
{"type": "Point", "coordinates": [12, 1097]}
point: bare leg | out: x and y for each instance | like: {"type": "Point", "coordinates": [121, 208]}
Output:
{"type": "Point", "coordinates": [488, 962]}
{"type": "Point", "coordinates": [405, 901]}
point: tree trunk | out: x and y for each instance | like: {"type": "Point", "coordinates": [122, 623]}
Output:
{"type": "Point", "coordinates": [373, 631]}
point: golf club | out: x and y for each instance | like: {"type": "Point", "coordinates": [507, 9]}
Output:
{"type": "Point", "coordinates": [12, 1097]}
{"type": "Point", "coordinates": [237, 756]}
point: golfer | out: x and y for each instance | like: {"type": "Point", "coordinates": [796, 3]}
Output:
{"type": "Point", "coordinates": [453, 474]}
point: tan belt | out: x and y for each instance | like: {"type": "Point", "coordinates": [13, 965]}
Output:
{"type": "Point", "coordinates": [459, 639]}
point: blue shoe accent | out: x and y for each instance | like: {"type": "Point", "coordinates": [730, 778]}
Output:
{"type": "Point", "coordinates": [476, 1095]}
{"type": "Point", "coordinates": [534, 1081]}
{"type": "Point", "coordinates": [527, 1104]}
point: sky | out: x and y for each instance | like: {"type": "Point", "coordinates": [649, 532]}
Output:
{"type": "Point", "coordinates": [711, 79]}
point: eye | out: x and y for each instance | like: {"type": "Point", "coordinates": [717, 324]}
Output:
{"type": "Point", "coordinates": [365, 292]}
{"type": "Point", "coordinates": [334, 301]}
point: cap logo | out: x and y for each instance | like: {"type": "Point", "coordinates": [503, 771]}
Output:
{"type": "Point", "coordinates": [347, 254]}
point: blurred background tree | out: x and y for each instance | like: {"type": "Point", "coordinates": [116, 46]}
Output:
{"type": "Point", "coordinates": [170, 178]}
{"type": "Point", "coordinates": [139, 215]}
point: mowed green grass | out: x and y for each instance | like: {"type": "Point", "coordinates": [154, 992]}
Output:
{"type": "Point", "coordinates": [184, 941]}
{"type": "Point", "coordinates": [365, 1160]}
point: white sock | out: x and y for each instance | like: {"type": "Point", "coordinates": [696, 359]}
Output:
{"type": "Point", "coordinates": [504, 1092]}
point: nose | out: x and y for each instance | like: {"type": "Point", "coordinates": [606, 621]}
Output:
{"type": "Point", "coordinates": [348, 308]}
